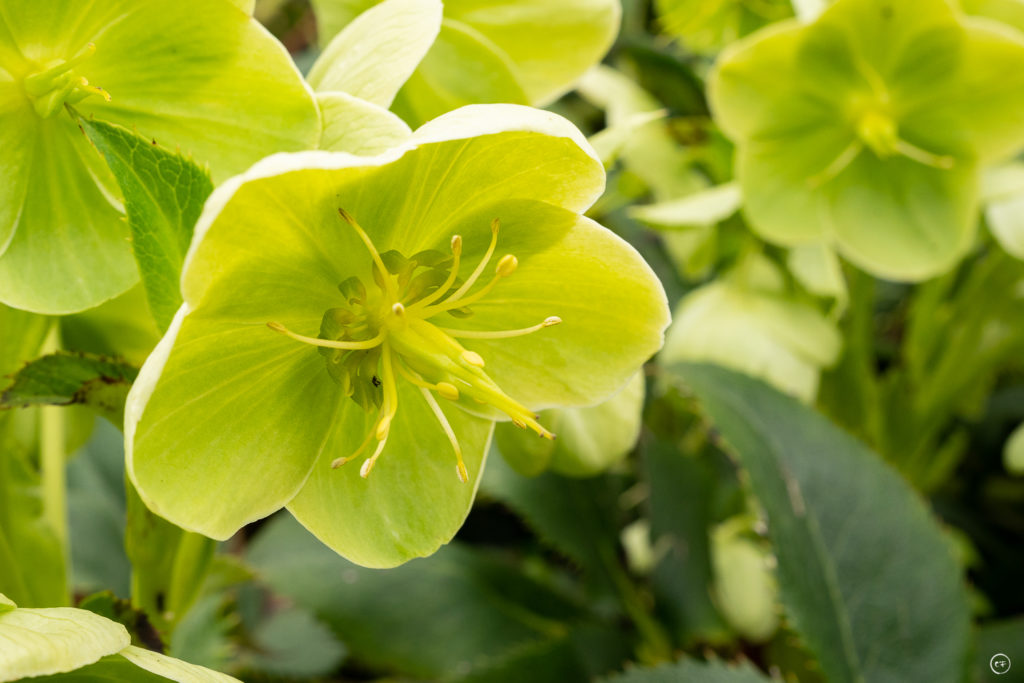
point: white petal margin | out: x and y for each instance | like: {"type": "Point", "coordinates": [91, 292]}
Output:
{"type": "Point", "coordinates": [39, 642]}
{"type": "Point", "coordinates": [173, 669]}
{"type": "Point", "coordinates": [375, 54]}
{"type": "Point", "coordinates": [463, 123]}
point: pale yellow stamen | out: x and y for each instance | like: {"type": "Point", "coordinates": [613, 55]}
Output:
{"type": "Point", "coordinates": [329, 343]}
{"type": "Point", "coordinates": [460, 467]}
{"type": "Point", "coordinates": [501, 334]}
{"type": "Point", "coordinates": [452, 275]}
{"type": "Point", "coordinates": [475, 275]}
{"type": "Point", "coordinates": [388, 284]}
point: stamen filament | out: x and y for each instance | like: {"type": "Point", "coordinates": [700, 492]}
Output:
{"type": "Point", "coordinates": [389, 408]}
{"type": "Point", "coordinates": [388, 284]}
{"type": "Point", "coordinates": [500, 334]}
{"type": "Point", "coordinates": [477, 272]}
{"type": "Point", "coordinates": [452, 275]}
{"type": "Point", "coordinates": [921, 156]}
{"type": "Point", "coordinates": [330, 343]}
{"type": "Point", "coordinates": [460, 466]}
{"type": "Point", "coordinates": [837, 166]}
{"type": "Point", "coordinates": [458, 302]}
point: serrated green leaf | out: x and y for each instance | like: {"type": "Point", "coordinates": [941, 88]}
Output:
{"type": "Point", "coordinates": [96, 514]}
{"type": "Point", "coordinates": [65, 378]}
{"type": "Point", "coordinates": [866, 575]}
{"type": "Point", "coordinates": [576, 517]}
{"type": "Point", "coordinates": [163, 197]}
{"type": "Point", "coordinates": [699, 672]}
{"type": "Point", "coordinates": [294, 644]}
{"type": "Point", "coordinates": [431, 618]}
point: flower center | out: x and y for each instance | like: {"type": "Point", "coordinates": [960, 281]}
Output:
{"type": "Point", "coordinates": [59, 84]}
{"type": "Point", "coordinates": [876, 129]}
{"type": "Point", "coordinates": [389, 330]}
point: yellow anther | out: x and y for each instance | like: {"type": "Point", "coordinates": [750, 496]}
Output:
{"type": "Point", "coordinates": [398, 309]}
{"type": "Point", "coordinates": [456, 244]}
{"type": "Point", "coordinates": [473, 358]}
{"type": "Point", "coordinates": [507, 265]}
{"type": "Point", "coordinates": [551, 321]}
{"type": "Point", "coordinates": [448, 391]}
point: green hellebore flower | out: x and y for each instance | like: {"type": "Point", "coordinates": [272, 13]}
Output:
{"type": "Point", "coordinates": [866, 128]}
{"type": "Point", "coordinates": [199, 74]}
{"type": "Point", "coordinates": [520, 51]}
{"type": "Point", "coordinates": [460, 283]}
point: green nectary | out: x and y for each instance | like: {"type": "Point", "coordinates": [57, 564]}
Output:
{"type": "Point", "coordinates": [199, 75]}
{"type": "Point", "coordinates": [388, 331]}
{"type": "Point", "coordinates": [866, 128]}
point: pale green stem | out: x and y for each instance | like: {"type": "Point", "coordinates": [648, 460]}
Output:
{"type": "Point", "coordinates": [191, 564]}
{"type": "Point", "coordinates": [52, 456]}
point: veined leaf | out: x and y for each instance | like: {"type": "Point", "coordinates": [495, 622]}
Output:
{"type": "Point", "coordinates": [163, 195]}
{"type": "Point", "coordinates": [65, 378]}
{"type": "Point", "coordinates": [865, 573]}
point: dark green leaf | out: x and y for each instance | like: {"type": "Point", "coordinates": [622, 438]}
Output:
{"type": "Point", "coordinates": [445, 616]}
{"type": "Point", "coordinates": [163, 194]}
{"type": "Point", "coordinates": [64, 378]}
{"type": "Point", "coordinates": [293, 644]}
{"type": "Point", "coordinates": [698, 672]}
{"type": "Point", "coordinates": [96, 511]}
{"type": "Point", "coordinates": [681, 489]}
{"type": "Point", "coordinates": [866, 574]}
{"type": "Point", "coordinates": [577, 517]}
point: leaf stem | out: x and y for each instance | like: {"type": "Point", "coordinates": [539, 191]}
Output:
{"type": "Point", "coordinates": [52, 452]}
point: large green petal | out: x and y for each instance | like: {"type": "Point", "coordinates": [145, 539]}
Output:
{"type": "Point", "coordinates": [462, 67]}
{"type": "Point", "coordinates": [375, 54]}
{"type": "Point", "coordinates": [276, 230]}
{"type": "Point", "coordinates": [16, 120]}
{"type": "Point", "coordinates": [412, 502]}
{"type": "Point", "coordinates": [36, 642]}
{"type": "Point", "coordinates": [202, 75]}
{"type": "Point", "coordinates": [979, 106]}
{"type": "Point", "coordinates": [612, 306]}
{"type": "Point", "coordinates": [70, 250]}
{"type": "Point", "coordinates": [777, 176]}
{"type": "Point", "coordinates": [901, 220]}
{"type": "Point", "coordinates": [358, 127]}
{"type": "Point", "coordinates": [745, 91]}
{"type": "Point", "coordinates": [224, 422]}
{"type": "Point", "coordinates": [550, 43]}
